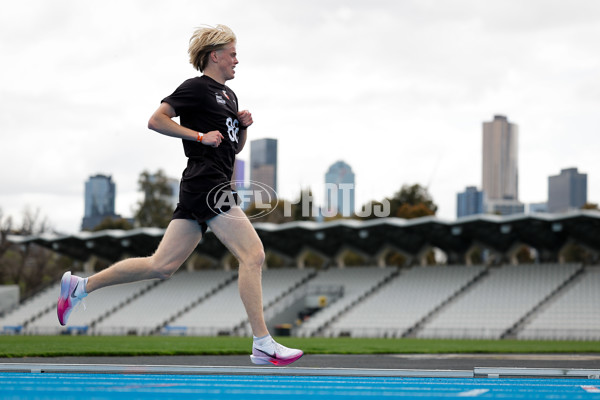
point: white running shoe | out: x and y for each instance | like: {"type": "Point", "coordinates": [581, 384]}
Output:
{"type": "Point", "coordinates": [67, 301]}
{"type": "Point", "coordinates": [274, 353]}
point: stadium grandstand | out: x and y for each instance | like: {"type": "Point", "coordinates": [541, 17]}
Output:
{"type": "Point", "coordinates": [544, 299]}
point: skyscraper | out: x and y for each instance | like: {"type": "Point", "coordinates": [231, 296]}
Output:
{"type": "Point", "coordinates": [567, 191]}
{"type": "Point", "coordinates": [469, 202]}
{"type": "Point", "coordinates": [239, 173]}
{"type": "Point", "coordinates": [339, 189]}
{"type": "Point", "coordinates": [500, 166]}
{"type": "Point", "coordinates": [263, 167]}
{"type": "Point", "coordinates": [500, 159]}
{"type": "Point", "coordinates": [100, 192]}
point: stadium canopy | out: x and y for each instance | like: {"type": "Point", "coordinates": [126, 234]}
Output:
{"type": "Point", "coordinates": [501, 236]}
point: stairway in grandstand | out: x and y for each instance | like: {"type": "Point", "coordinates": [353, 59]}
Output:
{"type": "Point", "coordinates": [357, 283]}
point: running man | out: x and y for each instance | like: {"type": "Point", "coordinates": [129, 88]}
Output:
{"type": "Point", "coordinates": [213, 131]}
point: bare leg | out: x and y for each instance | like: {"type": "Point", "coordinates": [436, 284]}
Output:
{"type": "Point", "coordinates": [180, 239]}
{"type": "Point", "coordinates": [236, 232]}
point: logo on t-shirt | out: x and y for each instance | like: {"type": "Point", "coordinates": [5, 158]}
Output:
{"type": "Point", "coordinates": [219, 99]}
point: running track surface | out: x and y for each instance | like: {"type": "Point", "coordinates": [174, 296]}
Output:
{"type": "Point", "coordinates": [17, 385]}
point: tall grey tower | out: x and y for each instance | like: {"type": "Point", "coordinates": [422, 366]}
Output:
{"type": "Point", "coordinates": [500, 176]}
{"type": "Point", "coordinates": [500, 166]}
{"type": "Point", "coordinates": [339, 189]}
{"type": "Point", "coordinates": [263, 164]}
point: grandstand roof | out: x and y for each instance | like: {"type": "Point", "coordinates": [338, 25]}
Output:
{"type": "Point", "coordinates": [547, 233]}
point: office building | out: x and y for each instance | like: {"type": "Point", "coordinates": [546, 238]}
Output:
{"type": "Point", "coordinates": [339, 189]}
{"type": "Point", "coordinates": [535, 208]}
{"type": "Point", "coordinates": [567, 191]}
{"type": "Point", "coordinates": [263, 169]}
{"type": "Point", "coordinates": [100, 192]}
{"type": "Point", "coordinates": [503, 207]}
{"type": "Point", "coordinates": [469, 202]}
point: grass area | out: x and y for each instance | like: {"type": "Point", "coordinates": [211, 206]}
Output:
{"type": "Point", "coordinates": [52, 346]}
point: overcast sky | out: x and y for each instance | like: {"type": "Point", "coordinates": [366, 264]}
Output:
{"type": "Point", "coordinates": [397, 89]}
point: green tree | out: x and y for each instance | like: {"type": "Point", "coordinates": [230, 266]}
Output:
{"type": "Point", "coordinates": [305, 207]}
{"type": "Point", "coordinates": [353, 259]}
{"type": "Point", "coordinates": [110, 223]}
{"type": "Point", "coordinates": [412, 201]}
{"type": "Point", "coordinates": [314, 260]}
{"type": "Point", "coordinates": [155, 209]}
{"type": "Point", "coordinates": [5, 230]}
{"type": "Point", "coordinates": [524, 256]}
{"type": "Point", "coordinates": [575, 252]}
{"type": "Point", "coordinates": [409, 211]}
{"type": "Point", "coordinates": [29, 266]}
{"type": "Point", "coordinates": [395, 258]}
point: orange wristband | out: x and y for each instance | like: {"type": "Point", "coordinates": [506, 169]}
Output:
{"type": "Point", "coordinates": [199, 138]}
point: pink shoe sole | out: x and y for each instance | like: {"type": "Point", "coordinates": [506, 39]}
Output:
{"type": "Point", "coordinates": [280, 362]}
{"type": "Point", "coordinates": [64, 306]}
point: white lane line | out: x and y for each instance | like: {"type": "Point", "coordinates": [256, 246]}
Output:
{"type": "Point", "coordinates": [590, 389]}
{"type": "Point", "coordinates": [473, 393]}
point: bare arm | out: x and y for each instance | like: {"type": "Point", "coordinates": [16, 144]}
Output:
{"type": "Point", "coordinates": [242, 139]}
{"type": "Point", "coordinates": [245, 120]}
{"type": "Point", "coordinates": [162, 122]}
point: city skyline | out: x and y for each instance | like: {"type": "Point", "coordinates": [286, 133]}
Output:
{"type": "Point", "coordinates": [471, 201]}
{"type": "Point", "coordinates": [413, 116]}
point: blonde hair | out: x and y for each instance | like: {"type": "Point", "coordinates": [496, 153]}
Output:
{"type": "Point", "coordinates": [208, 39]}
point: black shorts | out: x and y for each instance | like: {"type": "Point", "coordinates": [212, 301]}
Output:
{"type": "Point", "coordinates": [204, 206]}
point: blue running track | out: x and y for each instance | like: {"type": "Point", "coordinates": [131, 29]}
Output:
{"type": "Point", "coordinates": [16, 385]}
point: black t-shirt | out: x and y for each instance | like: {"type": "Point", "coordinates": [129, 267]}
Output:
{"type": "Point", "coordinates": [205, 105]}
